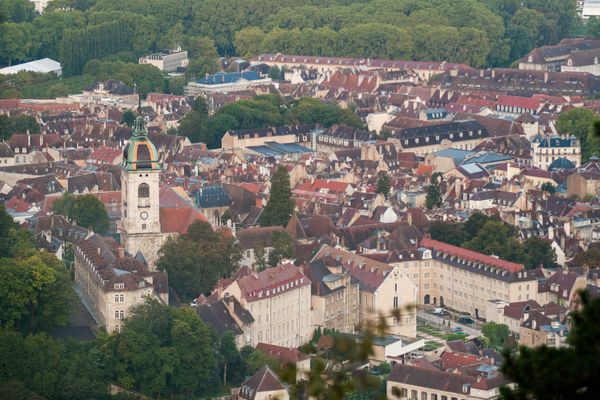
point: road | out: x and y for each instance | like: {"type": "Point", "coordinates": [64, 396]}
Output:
{"type": "Point", "coordinates": [440, 322]}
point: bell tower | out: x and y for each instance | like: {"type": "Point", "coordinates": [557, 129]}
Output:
{"type": "Point", "coordinates": [140, 182]}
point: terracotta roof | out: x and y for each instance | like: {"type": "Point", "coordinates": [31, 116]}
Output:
{"type": "Point", "coordinates": [284, 355]}
{"type": "Point", "coordinates": [178, 220]}
{"type": "Point", "coordinates": [265, 380]}
{"type": "Point", "coordinates": [271, 282]}
{"type": "Point", "coordinates": [470, 255]}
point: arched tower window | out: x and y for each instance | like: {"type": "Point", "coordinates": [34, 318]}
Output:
{"type": "Point", "coordinates": [143, 195]}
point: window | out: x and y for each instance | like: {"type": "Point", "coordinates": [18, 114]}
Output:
{"type": "Point", "coordinates": [395, 301]}
{"type": "Point", "coordinates": [143, 195]}
{"type": "Point", "coordinates": [143, 226]}
{"type": "Point", "coordinates": [119, 298]}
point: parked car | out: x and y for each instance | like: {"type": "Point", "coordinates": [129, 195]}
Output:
{"type": "Point", "coordinates": [465, 320]}
{"type": "Point", "coordinates": [194, 303]}
{"type": "Point", "coordinates": [456, 329]}
{"type": "Point", "coordinates": [439, 311]}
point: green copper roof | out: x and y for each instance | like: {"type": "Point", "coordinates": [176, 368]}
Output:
{"type": "Point", "coordinates": [140, 153]}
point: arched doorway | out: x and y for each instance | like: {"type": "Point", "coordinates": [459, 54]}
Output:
{"type": "Point", "coordinates": [435, 300]}
{"type": "Point", "coordinates": [441, 300]}
{"type": "Point", "coordinates": [427, 299]}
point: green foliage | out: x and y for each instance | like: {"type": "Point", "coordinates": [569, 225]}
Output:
{"type": "Point", "coordinates": [17, 10]}
{"type": "Point", "coordinates": [86, 211]}
{"type": "Point", "coordinates": [35, 291]}
{"type": "Point", "coordinates": [589, 258]}
{"type": "Point", "coordinates": [34, 366]}
{"type": "Point", "coordinates": [496, 238]}
{"type": "Point", "coordinates": [231, 364]}
{"type": "Point", "coordinates": [128, 118]}
{"type": "Point", "coordinates": [197, 259]}
{"type": "Point", "coordinates": [580, 122]}
{"type": "Point", "coordinates": [164, 351]}
{"type": "Point", "coordinates": [548, 373]}
{"type": "Point", "coordinates": [17, 124]}
{"type": "Point", "coordinates": [383, 184]}
{"type": "Point", "coordinates": [280, 206]}
{"type": "Point", "coordinates": [538, 252]}
{"type": "Point", "coordinates": [433, 199]}
{"type": "Point", "coordinates": [78, 46]}
{"type": "Point", "coordinates": [448, 232]}
{"type": "Point", "coordinates": [256, 359]}
{"type": "Point", "coordinates": [15, 42]}
{"type": "Point", "coordinates": [283, 248]}
{"type": "Point", "coordinates": [548, 188]}
{"type": "Point", "coordinates": [496, 333]}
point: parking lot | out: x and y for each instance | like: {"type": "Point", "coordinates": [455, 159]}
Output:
{"type": "Point", "coordinates": [427, 315]}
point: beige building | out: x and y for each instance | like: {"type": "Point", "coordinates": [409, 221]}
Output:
{"type": "Point", "coordinates": [540, 330]}
{"type": "Point", "coordinates": [279, 300]}
{"type": "Point", "coordinates": [549, 149]}
{"type": "Point", "coordinates": [167, 62]}
{"type": "Point", "coordinates": [383, 289]}
{"type": "Point", "coordinates": [408, 382]}
{"type": "Point", "coordinates": [112, 284]}
{"type": "Point", "coordinates": [465, 280]}
{"type": "Point", "coordinates": [335, 296]}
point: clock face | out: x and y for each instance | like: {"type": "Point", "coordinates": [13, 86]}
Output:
{"type": "Point", "coordinates": [144, 215]}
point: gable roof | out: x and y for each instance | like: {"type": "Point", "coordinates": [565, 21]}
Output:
{"type": "Point", "coordinates": [265, 380]}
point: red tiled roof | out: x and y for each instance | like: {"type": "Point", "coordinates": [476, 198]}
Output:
{"type": "Point", "coordinates": [455, 360]}
{"type": "Point", "coordinates": [284, 355]}
{"type": "Point", "coordinates": [271, 282]}
{"type": "Point", "coordinates": [319, 184]}
{"type": "Point", "coordinates": [528, 103]}
{"type": "Point", "coordinates": [470, 255]}
{"type": "Point", "coordinates": [177, 220]}
{"type": "Point", "coordinates": [105, 155]}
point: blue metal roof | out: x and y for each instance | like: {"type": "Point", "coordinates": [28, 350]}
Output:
{"type": "Point", "coordinates": [212, 196]}
{"type": "Point", "coordinates": [228, 77]}
{"type": "Point", "coordinates": [556, 141]}
{"type": "Point", "coordinates": [561, 163]}
{"type": "Point", "coordinates": [458, 155]}
{"type": "Point", "coordinates": [274, 149]}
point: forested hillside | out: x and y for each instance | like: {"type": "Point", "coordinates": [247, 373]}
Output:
{"type": "Point", "coordinates": [476, 32]}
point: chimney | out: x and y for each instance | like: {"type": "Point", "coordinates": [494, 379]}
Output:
{"type": "Point", "coordinates": [121, 253]}
{"type": "Point", "coordinates": [98, 250]}
{"type": "Point", "coordinates": [546, 76]}
{"type": "Point", "coordinates": [409, 218]}
{"type": "Point", "coordinates": [493, 74]}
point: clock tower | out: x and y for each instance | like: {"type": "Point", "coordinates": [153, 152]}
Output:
{"type": "Point", "coordinates": [140, 212]}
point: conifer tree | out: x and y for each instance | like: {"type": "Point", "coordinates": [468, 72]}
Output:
{"type": "Point", "coordinates": [280, 206]}
{"type": "Point", "coordinates": [383, 184]}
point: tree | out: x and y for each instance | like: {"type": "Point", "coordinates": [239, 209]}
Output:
{"type": "Point", "coordinates": [35, 292]}
{"type": "Point", "coordinates": [164, 351]}
{"type": "Point", "coordinates": [433, 198]}
{"type": "Point", "coordinates": [449, 232]}
{"type": "Point", "coordinates": [64, 205]}
{"type": "Point", "coordinates": [18, 10]}
{"type": "Point", "coordinates": [230, 356]}
{"type": "Point", "coordinates": [15, 41]}
{"type": "Point", "coordinates": [280, 206]}
{"type": "Point", "coordinates": [589, 258]}
{"type": "Point", "coordinates": [547, 372]}
{"type": "Point", "coordinates": [538, 252]}
{"type": "Point", "coordinates": [496, 238]}
{"type": "Point", "coordinates": [7, 228]}
{"type": "Point", "coordinates": [283, 248]}
{"type": "Point", "coordinates": [128, 118]}
{"type": "Point", "coordinates": [580, 123]}
{"type": "Point", "coordinates": [197, 259]}
{"type": "Point", "coordinates": [275, 73]}
{"type": "Point", "coordinates": [548, 188]}
{"type": "Point", "coordinates": [497, 333]}
{"type": "Point", "coordinates": [475, 222]}
{"type": "Point", "coordinates": [257, 359]}
{"type": "Point", "coordinates": [383, 184]}
{"type": "Point", "coordinates": [89, 212]}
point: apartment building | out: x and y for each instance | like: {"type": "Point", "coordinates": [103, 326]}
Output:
{"type": "Point", "coordinates": [279, 300]}
{"type": "Point", "coordinates": [546, 150]}
{"type": "Point", "coordinates": [335, 296]}
{"type": "Point", "coordinates": [112, 283]}
{"type": "Point", "coordinates": [419, 383]}
{"type": "Point", "coordinates": [382, 290]}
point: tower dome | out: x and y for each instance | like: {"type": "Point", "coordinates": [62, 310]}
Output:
{"type": "Point", "coordinates": [140, 153]}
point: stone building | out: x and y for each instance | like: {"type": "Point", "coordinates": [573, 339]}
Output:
{"type": "Point", "coordinates": [111, 283]}
{"type": "Point", "coordinates": [140, 226]}
{"type": "Point", "coordinates": [279, 300]}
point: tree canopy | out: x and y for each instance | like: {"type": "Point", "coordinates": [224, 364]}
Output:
{"type": "Point", "coordinates": [197, 259]}
{"type": "Point", "coordinates": [280, 207]}
{"type": "Point", "coordinates": [85, 210]}
{"type": "Point", "coordinates": [477, 32]}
